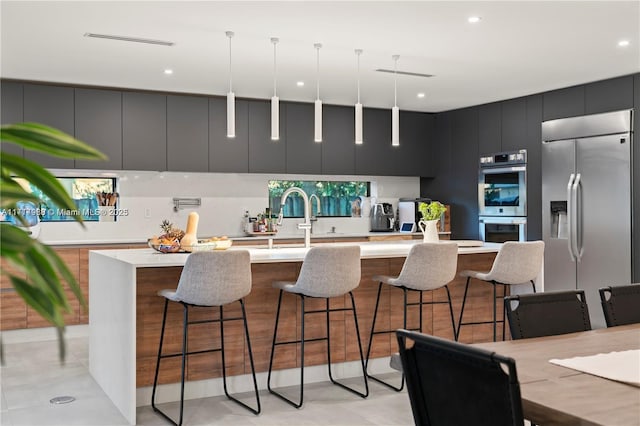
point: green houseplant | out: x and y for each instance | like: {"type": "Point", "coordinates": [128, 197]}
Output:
{"type": "Point", "coordinates": [431, 213]}
{"type": "Point", "coordinates": [46, 274]}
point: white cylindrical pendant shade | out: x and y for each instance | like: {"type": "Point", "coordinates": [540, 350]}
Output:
{"type": "Point", "coordinates": [231, 115]}
{"type": "Point", "coordinates": [358, 123]}
{"type": "Point", "coordinates": [395, 126]}
{"type": "Point", "coordinates": [275, 118]}
{"type": "Point", "coordinates": [318, 121]}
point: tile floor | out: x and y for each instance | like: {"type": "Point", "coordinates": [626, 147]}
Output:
{"type": "Point", "coordinates": [32, 376]}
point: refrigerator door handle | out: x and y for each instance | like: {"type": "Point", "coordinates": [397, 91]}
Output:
{"type": "Point", "coordinates": [577, 237]}
{"type": "Point", "coordinates": [570, 219]}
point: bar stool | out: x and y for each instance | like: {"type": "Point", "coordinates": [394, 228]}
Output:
{"type": "Point", "coordinates": [327, 272]}
{"type": "Point", "coordinates": [209, 279]}
{"type": "Point", "coordinates": [516, 263]}
{"type": "Point", "coordinates": [428, 266]}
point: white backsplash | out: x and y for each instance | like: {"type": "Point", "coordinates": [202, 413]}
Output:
{"type": "Point", "coordinates": [148, 197]}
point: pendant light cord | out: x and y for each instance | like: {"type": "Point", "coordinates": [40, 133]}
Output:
{"type": "Point", "coordinates": [317, 46]}
{"type": "Point", "coordinates": [358, 52]}
{"type": "Point", "coordinates": [395, 80]}
{"type": "Point", "coordinates": [275, 70]}
{"type": "Point", "coordinates": [230, 35]}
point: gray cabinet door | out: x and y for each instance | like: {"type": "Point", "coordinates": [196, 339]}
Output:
{"type": "Point", "coordinates": [304, 155]}
{"type": "Point", "coordinates": [53, 106]}
{"type": "Point", "coordinates": [490, 128]}
{"type": "Point", "coordinates": [636, 179]}
{"type": "Point", "coordinates": [534, 166]}
{"type": "Point", "coordinates": [440, 187]}
{"type": "Point", "coordinates": [11, 111]}
{"type": "Point", "coordinates": [98, 122]}
{"type": "Point", "coordinates": [376, 156]}
{"type": "Point", "coordinates": [187, 133]}
{"type": "Point", "coordinates": [266, 155]}
{"type": "Point", "coordinates": [415, 151]}
{"type": "Point", "coordinates": [514, 124]}
{"type": "Point", "coordinates": [228, 155]}
{"type": "Point", "coordinates": [338, 147]}
{"type": "Point", "coordinates": [609, 95]}
{"type": "Point", "coordinates": [563, 103]}
{"type": "Point", "coordinates": [144, 131]}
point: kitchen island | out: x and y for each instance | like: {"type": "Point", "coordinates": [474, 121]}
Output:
{"type": "Point", "coordinates": [125, 316]}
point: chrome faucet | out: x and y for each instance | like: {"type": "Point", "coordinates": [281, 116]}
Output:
{"type": "Point", "coordinates": [306, 225]}
{"type": "Point", "coordinates": [313, 218]}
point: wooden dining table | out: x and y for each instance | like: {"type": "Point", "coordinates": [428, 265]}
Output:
{"type": "Point", "coordinates": [555, 395]}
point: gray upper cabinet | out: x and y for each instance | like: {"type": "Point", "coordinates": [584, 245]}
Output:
{"type": "Point", "coordinates": [609, 95]}
{"type": "Point", "coordinates": [266, 155]}
{"type": "Point", "coordinates": [534, 166]}
{"type": "Point", "coordinates": [376, 156]}
{"type": "Point", "coordinates": [98, 122]}
{"type": "Point", "coordinates": [11, 110]}
{"type": "Point", "coordinates": [489, 128]}
{"type": "Point", "coordinates": [338, 147]}
{"type": "Point", "coordinates": [563, 103]}
{"type": "Point", "coordinates": [144, 131]}
{"type": "Point", "coordinates": [514, 124]}
{"type": "Point", "coordinates": [415, 153]}
{"type": "Point", "coordinates": [228, 155]}
{"type": "Point", "coordinates": [304, 155]}
{"type": "Point", "coordinates": [53, 106]}
{"type": "Point", "coordinates": [187, 133]}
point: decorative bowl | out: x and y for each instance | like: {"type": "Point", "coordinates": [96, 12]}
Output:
{"type": "Point", "coordinates": [162, 247]}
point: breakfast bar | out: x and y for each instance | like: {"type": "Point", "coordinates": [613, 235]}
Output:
{"type": "Point", "coordinates": [125, 316]}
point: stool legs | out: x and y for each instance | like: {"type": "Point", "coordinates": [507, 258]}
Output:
{"type": "Point", "coordinates": [184, 353]}
{"type": "Point", "coordinates": [326, 311]}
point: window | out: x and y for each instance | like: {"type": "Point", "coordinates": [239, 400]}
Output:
{"type": "Point", "coordinates": [83, 192]}
{"type": "Point", "coordinates": [336, 198]}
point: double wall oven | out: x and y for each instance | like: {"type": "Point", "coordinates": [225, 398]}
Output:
{"type": "Point", "coordinates": [502, 196]}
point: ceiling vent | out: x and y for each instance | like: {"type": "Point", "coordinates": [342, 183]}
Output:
{"type": "Point", "coordinates": [131, 39]}
{"type": "Point", "coordinates": [413, 74]}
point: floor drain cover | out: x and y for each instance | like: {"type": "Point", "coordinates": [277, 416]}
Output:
{"type": "Point", "coordinates": [62, 399]}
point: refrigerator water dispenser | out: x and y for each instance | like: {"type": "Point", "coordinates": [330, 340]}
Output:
{"type": "Point", "coordinates": [559, 225]}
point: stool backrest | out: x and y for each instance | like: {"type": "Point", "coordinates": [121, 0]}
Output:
{"type": "Point", "coordinates": [547, 314]}
{"type": "Point", "coordinates": [429, 266]}
{"type": "Point", "coordinates": [621, 304]}
{"type": "Point", "coordinates": [518, 262]}
{"type": "Point", "coordinates": [450, 383]}
{"type": "Point", "coordinates": [215, 278]}
{"type": "Point", "coordinates": [329, 271]}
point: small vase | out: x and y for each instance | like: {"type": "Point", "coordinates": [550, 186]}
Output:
{"type": "Point", "coordinates": [429, 230]}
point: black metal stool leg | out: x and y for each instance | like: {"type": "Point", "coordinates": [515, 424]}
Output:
{"type": "Point", "coordinates": [464, 301]}
{"type": "Point", "coordinates": [373, 325]}
{"type": "Point", "coordinates": [533, 285]}
{"type": "Point", "coordinates": [453, 321]}
{"type": "Point", "coordinates": [494, 310]}
{"type": "Point", "coordinates": [155, 378]}
{"type": "Point", "coordinates": [504, 322]}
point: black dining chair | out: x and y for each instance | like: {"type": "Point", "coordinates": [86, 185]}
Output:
{"type": "Point", "coordinates": [621, 304]}
{"type": "Point", "coordinates": [451, 383]}
{"type": "Point", "coordinates": [547, 314]}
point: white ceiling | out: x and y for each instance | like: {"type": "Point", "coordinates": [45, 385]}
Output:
{"type": "Point", "coordinates": [518, 48]}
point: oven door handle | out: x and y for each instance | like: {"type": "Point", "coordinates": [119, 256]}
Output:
{"type": "Point", "coordinates": [570, 218]}
{"type": "Point", "coordinates": [494, 170]}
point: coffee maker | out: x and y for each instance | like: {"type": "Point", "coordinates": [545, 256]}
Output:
{"type": "Point", "coordinates": [382, 218]}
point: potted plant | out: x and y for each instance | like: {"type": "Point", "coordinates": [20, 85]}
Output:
{"type": "Point", "coordinates": [431, 213]}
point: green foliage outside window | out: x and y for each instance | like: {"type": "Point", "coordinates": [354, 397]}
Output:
{"type": "Point", "coordinates": [335, 196]}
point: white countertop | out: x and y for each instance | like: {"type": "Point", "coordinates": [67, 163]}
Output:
{"type": "Point", "coordinates": [148, 258]}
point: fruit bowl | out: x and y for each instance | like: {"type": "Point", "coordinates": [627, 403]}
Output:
{"type": "Point", "coordinates": [164, 246]}
{"type": "Point", "coordinates": [221, 243]}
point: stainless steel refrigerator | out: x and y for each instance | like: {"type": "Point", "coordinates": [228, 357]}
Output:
{"type": "Point", "coordinates": [586, 204]}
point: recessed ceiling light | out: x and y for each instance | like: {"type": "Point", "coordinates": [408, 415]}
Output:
{"type": "Point", "coordinates": [474, 19]}
{"type": "Point", "coordinates": [421, 95]}
{"type": "Point", "coordinates": [300, 83]}
{"type": "Point", "coordinates": [623, 43]}
{"type": "Point", "coordinates": [168, 71]}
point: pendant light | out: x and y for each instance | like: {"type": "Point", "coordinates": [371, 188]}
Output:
{"type": "Point", "coordinates": [358, 105]}
{"type": "Point", "coordinates": [231, 98]}
{"type": "Point", "coordinates": [395, 111]}
{"type": "Point", "coordinates": [275, 101]}
{"type": "Point", "coordinates": [318, 105]}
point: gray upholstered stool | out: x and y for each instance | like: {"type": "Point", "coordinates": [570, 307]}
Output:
{"type": "Point", "coordinates": [329, 271]}
{"type": "Point", "coordinates": [429, 266]}
{"type": "Point", "coordinates": [209, 279]}
{"type": "Point", "coordinates": [516, 263]}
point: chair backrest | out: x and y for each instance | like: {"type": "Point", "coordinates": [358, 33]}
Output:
{"type": "Point", "coordinates": [547, 314]}
{"type": "Point", "coordinates": [214, 278]}
{"type": "Point", "coordinates": [518, 262]}
{"type": "Point", "coordinates": [329, 271]}
{"type": "Point", "coordinates": [450, 383]}
{"type": "Point", "coordinates": [621, 304]}
{"type": "Point", "coordinates": [429, 266]}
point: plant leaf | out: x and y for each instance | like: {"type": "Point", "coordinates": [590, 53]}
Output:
{"type": "Point", "coordinates": [38, 300]}
{"type": "Point", "coordinates": [63, 270]}
{"type": "Point", "coordinates": [41, 178]}
{"type": "Point", "coordinates": [13, 240]}
{"type": "Point", "coordinates": [41, 138]}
